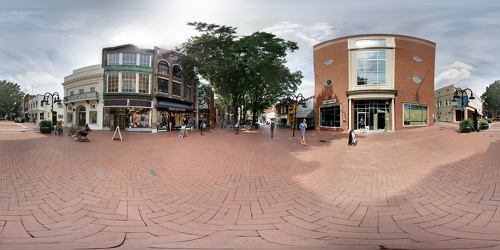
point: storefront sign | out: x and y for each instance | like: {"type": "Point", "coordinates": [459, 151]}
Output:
{"type": "Point", "coordinates": [176, 109]}
{"type": "Point", "coordinates": [326, 102]}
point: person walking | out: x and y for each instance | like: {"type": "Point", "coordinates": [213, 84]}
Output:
{"type": "Point", "coordinates": [202, 127]}
{"type": "Point", "coordinates": [475, 115]}
{"type": "Point", "coordinates": [5, 119]}
{"type": "Point", "coordinates": [272, 128]}
{"type": "Point", "coordinates": [362, 124]}
{"type": "Point", "coordinates": [303, 127]}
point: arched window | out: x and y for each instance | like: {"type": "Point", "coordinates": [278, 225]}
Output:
{"type": "Point", "coordinates": [163, 68]}
{"type": "Point", "coordinates": [177, 71]}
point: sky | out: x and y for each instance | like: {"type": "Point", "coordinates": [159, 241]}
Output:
{"type": "Point", "coordinates": [41, 42]}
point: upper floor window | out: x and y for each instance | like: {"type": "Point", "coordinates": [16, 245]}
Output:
{"type": "Point", "coordinates": [145, 60]}
{"type": "Point", "coordinates": [81, 91]}
{"type": "Point", "coordinates": [92, 89]}
{"type": "Point", "coordinates": [370, 43]}
{"type": "Point", "coordinates": [371, 67]}
{"type": "Point", "coordinates": [113, 59]}
{"type": "Point", "coordinates": [162, 85]}
{"type": "Point", "coordinates": [128, 82]}
{"type": "Point", "coordinates": [112, 82]}
{"type": "Point", "coordinates": [129, 59]}
{"type": "Point", "coordinates": [187, 91]}
{"type": "Point", "coordinates": [143, 83]}
{"type": "Point", "coordinates": [163, 68]}
{"type": "Point", "coordinates": [177, 71]}
{"type": "Point", "coordinates": [176, 88]}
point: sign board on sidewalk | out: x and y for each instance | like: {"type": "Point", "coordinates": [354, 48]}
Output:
{"type": "Point", "coordinates": [119, 133]}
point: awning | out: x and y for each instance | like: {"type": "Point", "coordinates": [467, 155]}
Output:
{"type": "Point", "coordinates": [173, 105]}
{"type": "Point", "coordinates": [306, 114]}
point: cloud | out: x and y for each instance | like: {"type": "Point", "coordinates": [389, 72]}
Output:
{"type": "Point", "coordinates": [455, 73]}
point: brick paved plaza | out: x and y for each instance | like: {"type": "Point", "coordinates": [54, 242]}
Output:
{"type": "Point", "coordinates": [427, 188]}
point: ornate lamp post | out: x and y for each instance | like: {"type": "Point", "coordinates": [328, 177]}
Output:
{"type": "Point", "coordinates": [297, 99]}
{"type": "Point", "coordinates": [462, 92]}
{"type": "Point", "coordinates": [54, 98]}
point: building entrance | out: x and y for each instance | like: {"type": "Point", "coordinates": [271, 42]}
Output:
{"type": "Point", "coordinates": [374, 112]}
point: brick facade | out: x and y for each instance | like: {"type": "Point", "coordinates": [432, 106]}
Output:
{"type": "Point", "coordinates": [335, 62]}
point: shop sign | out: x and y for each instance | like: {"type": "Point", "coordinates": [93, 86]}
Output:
{"type": "Point", "coordinates": [326, 102]}
{"type": "Point", "coordinates": [176, 109]}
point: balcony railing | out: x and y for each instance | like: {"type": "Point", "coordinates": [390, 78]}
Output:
{"type": "Point", "coordinates": [93, 95]}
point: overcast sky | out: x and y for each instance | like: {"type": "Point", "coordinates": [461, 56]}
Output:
{"type": "Point", "coordinates": [43, 41]}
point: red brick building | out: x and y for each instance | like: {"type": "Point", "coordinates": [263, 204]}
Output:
{"type": "Point", "coordinates": [384, 81]}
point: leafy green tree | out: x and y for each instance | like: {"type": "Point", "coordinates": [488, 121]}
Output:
{"type": "Point", "coordinates": [268, 79]}
{"type": "Point", "coordinates": [11, 97]}
{"type": "Point", "coordinates": [247, 71]}
{"type": "Point", "coordinates": [492, 97]}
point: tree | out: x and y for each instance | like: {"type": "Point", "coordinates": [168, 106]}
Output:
{"type": "Point", "coordinates": [492, 97]}
{"type": "Point", "coordinates": [268, 79]}
{"type": "Point", "coordinates": [11, 97]}
{"type": "Point", "coordinates": [248, 71]}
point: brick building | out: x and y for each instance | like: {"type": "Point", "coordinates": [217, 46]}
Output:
{"type": "Point", "coordinates": [387, 81]}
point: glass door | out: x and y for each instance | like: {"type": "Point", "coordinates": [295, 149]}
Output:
{"type": "Point", "coordinates": [361, 121]}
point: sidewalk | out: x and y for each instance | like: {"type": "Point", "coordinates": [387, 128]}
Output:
{"type": "Point", "coordinates": [427, 188]}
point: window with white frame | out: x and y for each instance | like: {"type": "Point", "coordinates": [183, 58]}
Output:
{"type": "Point", "coordinates": [113, 58]}
{"type": "Point", "coordinates": [129, 59]}
{"type": "Point", "coordinates": [163, 68]}
{"type": "Point", "coordinates": [143, 83]}
{"type": "Point", "coordinates": [128, 82]}
{"type": "Point", "coordinates": [145, 60]}
{"type": "Point", "coordinates": [112, 83]}
{"type": "Point", "coordinates": [371, 67]}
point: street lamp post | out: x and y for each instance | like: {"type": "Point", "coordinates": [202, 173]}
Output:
{"type": "Point", "coordinates": [54, 98]}
{"type": "Point", "coordinates": [298, 99]}
{"type": "Point", "coordinates": [462, 92]}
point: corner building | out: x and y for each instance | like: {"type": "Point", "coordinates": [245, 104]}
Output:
{"type": "Point", "coordinates": [388, 80]}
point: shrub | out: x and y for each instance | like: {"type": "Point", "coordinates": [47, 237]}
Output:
{"type": "Point", "coordinates": [466, 126]}
{"type": "Point", "coordinates": [45, 123]}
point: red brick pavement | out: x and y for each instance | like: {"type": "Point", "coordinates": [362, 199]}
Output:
{"type": "Point", "coordinates": [427, 188]}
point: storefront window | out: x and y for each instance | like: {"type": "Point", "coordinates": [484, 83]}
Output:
{"type": "Point", "coordinates": [139, 119]}
{"type": "Point", "coordinates": [375, 114]}
{"type": "Point", "coordinates": [330, 116]}
{"type": "Point", "coordinates": [415, 114]}
{"type": "Point", "coordinates": [93, 117]}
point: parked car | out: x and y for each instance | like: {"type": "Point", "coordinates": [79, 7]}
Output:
{"type": "Point", "coordinates": [19, 120]}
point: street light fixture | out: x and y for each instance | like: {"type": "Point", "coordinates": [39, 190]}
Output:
{"type": "Point", "coordinates": [462, 92]}
{"type": "Point", "coordinates": [297, 99]}
{"type": "Point", "coordinates": [54, 98]}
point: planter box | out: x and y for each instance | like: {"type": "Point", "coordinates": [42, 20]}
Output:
{"type": "Point", "coordinates": [484, 126]}
{"type": "Point", "coordinates": [466, 130]}
{"type": "Point", "coordinates": [46, 130]}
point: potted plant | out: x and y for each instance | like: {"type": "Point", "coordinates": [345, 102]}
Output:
{"type": "Point", "coordinates": [46, 127]}
{"type": "Point", "coordinates": [466, 126]}
{"type": "Point", "coordinates": [483, 124]}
